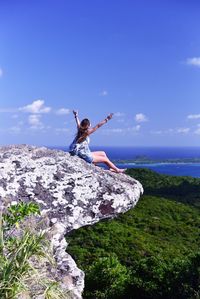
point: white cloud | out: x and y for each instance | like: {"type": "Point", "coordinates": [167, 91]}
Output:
{"type": "Point", "coordinates": [194, 61]}
{"type": "Point", "coordinates": [36, 107]}
{"type": "Point", "coordinates": [140, 117]}
{"type": "Point", "coordinates": [112, 131]}
{"type": "Point", "coordinates": [134, 129]}
{"type": "Point", "coordinates": [157, 132]}
{"type": "Point", "coordinates": [103, 93]}
{"type": "Point", "coordinates": [193, 116]}
{"type": "Point", "coordinates": [62, 111]}
{"type": "Point", "coordinates": [122, 130]}
{"type": "Point", "coordinates": [34, 121]}
{"type": "Point", "coordinates": [171, 131]}
{"type": "Point", "coordinates": [119, 114]}
{"type": "Point", "coordinates": [137, 128]}
{"type": "Point", "coordinates": [117, 130]}
{"type": "Point", "coordinates": [183, 130]}
{"type": "Point", "coordinates": [1, 72]}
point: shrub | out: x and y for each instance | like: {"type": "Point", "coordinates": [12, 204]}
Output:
{"type": "Point", "coordinates": [20, 256]}
{"type": "Point", "coordinates": [106, 279]}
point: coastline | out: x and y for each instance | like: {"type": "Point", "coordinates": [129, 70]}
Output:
{"type": "Point", "coordinates": [176, 161]}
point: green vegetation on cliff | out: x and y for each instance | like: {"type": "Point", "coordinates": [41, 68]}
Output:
{"type": "Point", "coordinates": [180, 188]}
{"type": "Point", "coordinates": [24, 251]}
{"type": "Point", "coordinates": [151, 251]}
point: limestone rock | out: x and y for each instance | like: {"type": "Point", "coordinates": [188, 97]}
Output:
{"type": "Point", "coordinates": [70, 193]}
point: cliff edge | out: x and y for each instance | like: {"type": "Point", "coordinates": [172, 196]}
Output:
{"type": "Point", "coordinates": [70, 193]}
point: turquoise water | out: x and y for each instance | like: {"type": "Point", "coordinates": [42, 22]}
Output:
{"type": "Point", "coordinates": [179, 169]}
{"type": "Point", "coordinates": [158, 154]}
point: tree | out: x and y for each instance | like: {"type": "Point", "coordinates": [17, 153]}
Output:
{"type": "Point", "coordinates": [106, 278]}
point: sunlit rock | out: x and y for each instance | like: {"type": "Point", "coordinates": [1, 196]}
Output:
{"type": "Point", "coordinates": [70, 193]}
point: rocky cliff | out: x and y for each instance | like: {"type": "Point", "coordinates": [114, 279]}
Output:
{"type": "Point", "coordinates": [70, 193]}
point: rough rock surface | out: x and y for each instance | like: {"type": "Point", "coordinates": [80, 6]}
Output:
{"type": "Point", "coordinates": [70, 193]}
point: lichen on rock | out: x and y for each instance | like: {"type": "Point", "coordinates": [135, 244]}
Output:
{"type": "Point", "coordinates": [70, 193]}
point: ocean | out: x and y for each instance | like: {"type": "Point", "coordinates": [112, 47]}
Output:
{"type": "Point", "coordinates": [180, 161]}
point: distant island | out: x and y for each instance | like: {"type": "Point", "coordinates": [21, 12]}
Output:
{"type": "Point", "coordinates": [148, 160]}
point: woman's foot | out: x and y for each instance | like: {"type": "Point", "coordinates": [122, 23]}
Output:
{"type": "Point", "coordinates": [121, 170]}
{"type": "Point", "coordinates": [118, 170]}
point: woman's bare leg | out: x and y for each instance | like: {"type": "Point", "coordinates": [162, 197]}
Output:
{"type": "Point", "coordinates": [100, 153]}
{"type": "Point", "coordinates": [102, 158]}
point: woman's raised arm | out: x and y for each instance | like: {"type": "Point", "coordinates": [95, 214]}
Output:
{"type": "Point", "coordinates": [100, 124]}
{"type": "Point", "coordinates": [76, 118]}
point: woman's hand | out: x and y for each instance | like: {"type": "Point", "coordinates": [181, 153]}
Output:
{"type": "Point", "coordinates": [109, 116]}
{"type": "Point", "coordinates": [75, 112]}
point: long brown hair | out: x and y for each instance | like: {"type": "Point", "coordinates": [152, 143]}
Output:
{"type": "Point", "coordinates": [82, 130]}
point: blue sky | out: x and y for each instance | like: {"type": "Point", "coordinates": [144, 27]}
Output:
{"type": "Point", "coordinates": [137, 59]}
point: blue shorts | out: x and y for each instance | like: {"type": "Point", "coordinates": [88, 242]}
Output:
{"type": "Point", "coordinates": [87, 157]}
{"type": "Point", "coordinates": [81, 150]}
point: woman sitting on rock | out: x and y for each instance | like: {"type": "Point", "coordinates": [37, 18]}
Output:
{"type": "Point", "coordinates": [80, 145]}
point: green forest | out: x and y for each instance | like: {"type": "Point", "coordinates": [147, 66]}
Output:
{"type": "Point", "coordinates": [150, 252]}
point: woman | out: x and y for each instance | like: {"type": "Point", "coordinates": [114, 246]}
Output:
{"type": "Point", "coordinates": [80, 145]}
